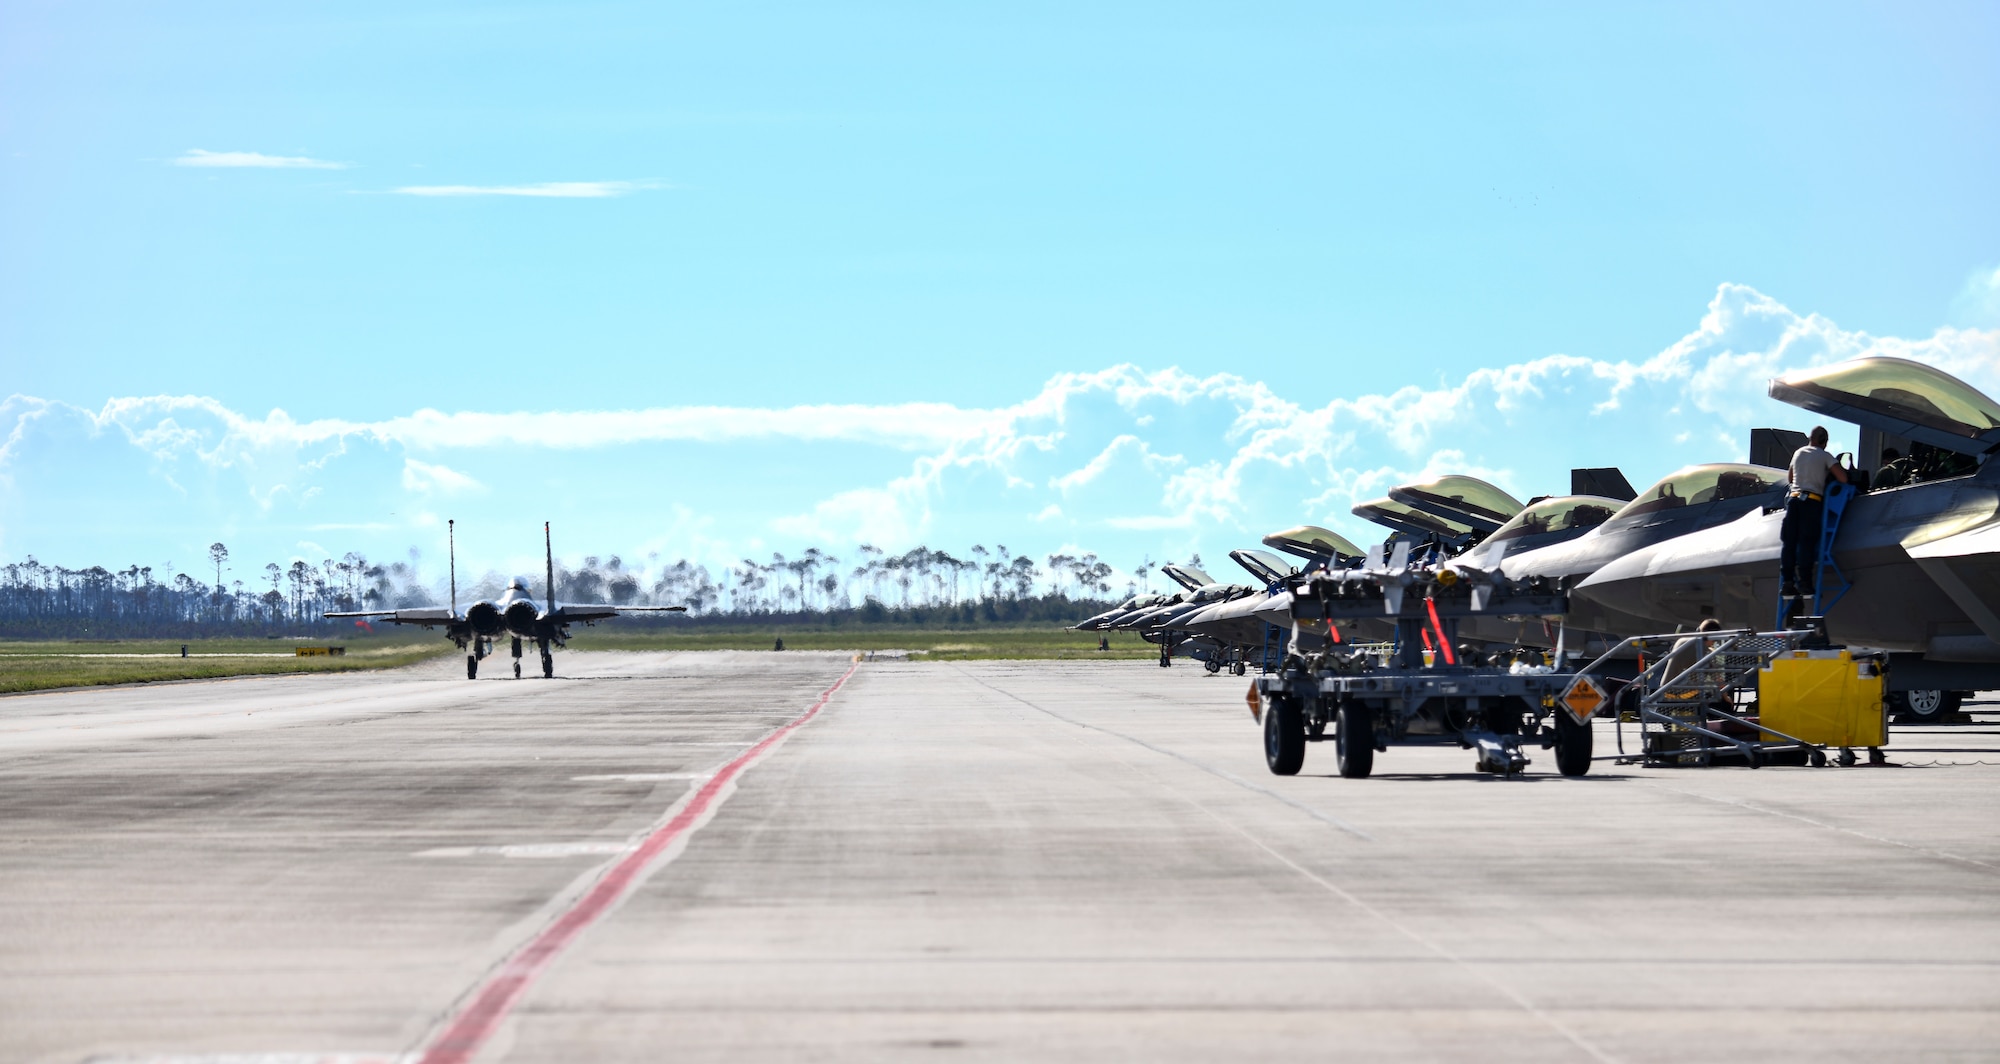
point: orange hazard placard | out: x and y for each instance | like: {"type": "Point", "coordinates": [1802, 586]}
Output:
{"type": "Point", "coordinates": [1583, 698]}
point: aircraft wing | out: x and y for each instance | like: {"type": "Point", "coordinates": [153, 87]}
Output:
{"type": "Point", "coordinates": [598, 611]}
{"type": "Point", "coordinates": [427, 617]}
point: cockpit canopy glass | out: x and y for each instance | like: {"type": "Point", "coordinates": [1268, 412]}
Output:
{"type": "Point", "coordinates": [1311, 540]}
{"type": "Point", "coordinates": [1399, 516]}
{"type": "Point", "coordinates": [1700, 484]}
{"type": "Point", "coordinates": [1899, 388]}
{"type": "Point", "coordinates": [1469, 495]}
{"type": "Point", "coordinates": [1561, 514]}
{"type": "Point", "coordinates": [1263, 564]}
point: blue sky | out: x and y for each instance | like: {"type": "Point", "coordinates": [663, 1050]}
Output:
{"type": "Point", "coordinates": [1140, 280]}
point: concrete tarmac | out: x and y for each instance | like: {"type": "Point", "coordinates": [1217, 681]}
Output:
{"type": "Point", "coordinates": [979, 861]}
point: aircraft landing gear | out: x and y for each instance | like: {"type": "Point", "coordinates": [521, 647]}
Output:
{"type": "Point", "coordinates": [472, 666]}
{"type": "Point", "coordinates": [517, 657]}
{"type": "Point", "coordinates": [548, 663]}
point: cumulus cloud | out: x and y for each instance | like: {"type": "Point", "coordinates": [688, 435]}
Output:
{"type": "Point", "coordinates": [544, 190]}
{"type": "Point", "coordinates": [253, 160]}
{"type": "Point", "coordinates": [1124, 457]}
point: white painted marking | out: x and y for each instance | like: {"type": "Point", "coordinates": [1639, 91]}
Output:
{"type": "Point", "coordinates": [532, 849]}
{"type": "Point", "coordinates": [644, 777]}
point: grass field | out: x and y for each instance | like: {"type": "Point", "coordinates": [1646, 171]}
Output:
{"type": "Point", "coordinates": [38, 666]}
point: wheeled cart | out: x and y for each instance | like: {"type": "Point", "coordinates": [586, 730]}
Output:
{"type": "Point", "coordinates": [1490, 710]}
{"type": "Point", "coordinates": [1415, 688]}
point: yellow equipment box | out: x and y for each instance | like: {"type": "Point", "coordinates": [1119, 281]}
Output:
{"type": "Point", "coordinates": [1823, 697]}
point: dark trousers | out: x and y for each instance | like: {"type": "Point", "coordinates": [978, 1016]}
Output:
{"type": "Point", "coordinates": [1798, 563]}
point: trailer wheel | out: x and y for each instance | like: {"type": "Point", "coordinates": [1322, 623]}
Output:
{"type": "Point", "coordinates": [1573, 742]}
{"type": "Point", "coordinates": [1354, 740]}
{"type": "Point", "coordinates": [1284, 735]}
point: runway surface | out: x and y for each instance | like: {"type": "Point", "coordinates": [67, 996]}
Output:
{"type": "Point", "coordinates": [981, 861]}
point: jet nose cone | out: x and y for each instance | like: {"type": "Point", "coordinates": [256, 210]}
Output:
{"type": "Point", "coordinates": [1632, 566]}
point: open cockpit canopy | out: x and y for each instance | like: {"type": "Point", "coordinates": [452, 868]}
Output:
{"type": "Point", "coordinates": [1312, 541]}
{"type": "Point", "coordinates": [1700, 484]}
{"type": "Point", "coordinates": [1266, 567]}
{"type": "Point", "coordinates": [1187, 576]}
{"type": "Point", "coordinates": [1899, 397]}
{"type": "Point", "coordinates": [1467, 500]}
{"type": "Point", "coordinates": [1400, 517]}
{"type": "Point", "coordinates": [1561, 514]}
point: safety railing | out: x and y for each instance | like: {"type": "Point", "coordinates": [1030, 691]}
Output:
{"type": "Point", "coordinates": [1698, 696]}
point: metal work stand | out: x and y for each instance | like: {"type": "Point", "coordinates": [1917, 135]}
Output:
{"type": "Point", "coordinates": [1703, 710]}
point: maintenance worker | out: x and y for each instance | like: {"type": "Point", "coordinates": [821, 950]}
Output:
{"type": "Point", "coordinates": [1805, 513]}
{"type": "Point", "coordinates": [1687, 650]}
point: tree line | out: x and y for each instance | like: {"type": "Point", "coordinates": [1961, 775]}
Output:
{"type": "Point", "coordinates": [917, 586]}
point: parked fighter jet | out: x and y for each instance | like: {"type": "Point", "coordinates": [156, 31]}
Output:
{"type": "Point", "coordinates": [514, 612]}
{"type": "Point", "coordinates": [1233, 624]}
{"type": "Point", "coordinates": [1131, 607]}
{"type": "Point", "coordinates": [1684, 502]}
{"type": "Point", "coordinates": [1923, 557]}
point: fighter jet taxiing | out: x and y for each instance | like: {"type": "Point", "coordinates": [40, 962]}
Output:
{"type": "Point", "coordinates": [514, 613]}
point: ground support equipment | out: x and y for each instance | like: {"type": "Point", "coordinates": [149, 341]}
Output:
{"type": "Point", "coordinates": [1416, 690]}
{"type": "Point", "coordinates": [1698, 699]}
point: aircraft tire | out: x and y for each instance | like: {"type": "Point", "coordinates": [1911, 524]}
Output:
{"type": "Point", "coordinates": [517, 668]}
{"type": "Point", "coordinates": [1925, 707]}
{"type": "Point", "coordinates": [472, 666]}
{"type": "Point", "coordinates": [1573, 742]}
{"type": "Point", "coordinates": [548, 665]}
{"type": "Point", "coordinates": [1284, 736]}
{"type": "Point", "coordinates": [1354, 740]}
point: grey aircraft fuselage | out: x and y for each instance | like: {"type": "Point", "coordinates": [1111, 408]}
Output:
{"type": "Point", "coordinates": [1923, 560]}
{"type": "Point", "coordinates": [1569, 563]}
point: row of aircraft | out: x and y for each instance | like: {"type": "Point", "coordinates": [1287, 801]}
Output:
{"type": "Point", "coordinates": [1915, 561]}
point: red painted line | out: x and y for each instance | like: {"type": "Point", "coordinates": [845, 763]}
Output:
{"type": "Point", "coordinates": [463, 1033]}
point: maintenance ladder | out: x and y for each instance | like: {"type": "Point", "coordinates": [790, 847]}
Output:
{"type": "Point", "coordinates": [1697, 698]}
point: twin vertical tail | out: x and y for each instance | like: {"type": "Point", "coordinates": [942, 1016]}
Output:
{"type": "Point", "coordinates": [451, 552]}
{"type": "Point", "coordinates": [549, 554]}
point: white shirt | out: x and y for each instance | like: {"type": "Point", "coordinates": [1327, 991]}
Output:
{"type": "Point", "coordinates": [1809, 469]}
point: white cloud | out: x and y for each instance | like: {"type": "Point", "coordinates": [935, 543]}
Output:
{"type": "Point", "coordinates": [1126, 458]}
{"type": "Point", "coordinates": [427, 479]}
{"type": "Point", "coordinates": [863, 515]}
{"type": "Point", "coordinates": [544, 190]}
{"type": "Point", "coordinates": [253, 159]}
